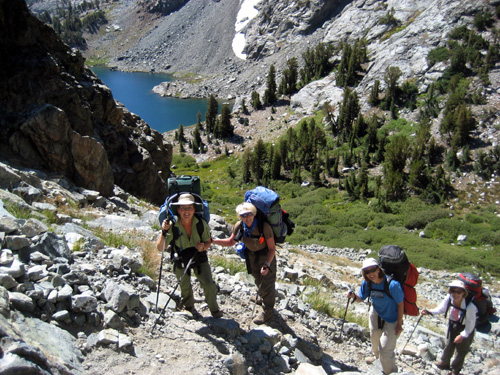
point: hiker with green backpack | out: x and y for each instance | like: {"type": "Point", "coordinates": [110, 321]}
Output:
{"type": "Point", "coordinates": [260, 249]}
{"type": "Point", "coordinates": [461, 325]}
{"type": "Point", "coordinates": [190, 241]}
{"type": "Point", "coordinates": [386, 312]}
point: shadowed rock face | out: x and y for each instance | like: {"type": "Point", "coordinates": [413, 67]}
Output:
{"type": "Point", "coordinates": [55, 114]}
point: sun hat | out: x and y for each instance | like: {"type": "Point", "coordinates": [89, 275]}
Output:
{"type": "Point", "coordinates": [458, 284]}
{"type": "Point", "coordinates": [369, 262]}
{"type": "Point", "coordinates": [184, 200]}
{"type": "Point", "coordinates": [246, 208]}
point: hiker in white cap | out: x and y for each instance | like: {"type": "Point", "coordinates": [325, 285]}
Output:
{"type": "Point", "coordinates": [189, 243]}
{"type": "Point", "coordinates": [260, 258]}
{"type": "Point", "coordinates": [461, 325]}
{"type": "Point", "coordinates": [386, 313]}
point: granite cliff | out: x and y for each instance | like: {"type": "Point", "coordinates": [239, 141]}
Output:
{"type": "Point", "coordinates": [56, 115]}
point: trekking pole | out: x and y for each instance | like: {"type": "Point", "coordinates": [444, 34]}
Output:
{"type": "Point", "coordinates": [345, 314]}
{"type": "Point", "coordinates": [161, 269]}
{"type": "Point", "coordinates": [411, 334]}
{"type": "Point", "coordinates": [170, 297]}
{"type": "Point", "coordinates": [255, 304]}
{"type": "Point", "coordinates": [159, 278]}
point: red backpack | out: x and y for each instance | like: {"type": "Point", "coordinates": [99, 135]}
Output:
{"type": "Point", "coordinates": [396, 266]}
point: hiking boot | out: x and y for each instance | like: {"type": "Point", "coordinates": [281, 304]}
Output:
{"type": "Point", "coordinates": [263, 317]}
{"type": "Point", "coordinates": [370, 360]}
{"type": "Point", "coordinates": [256, 299]}
{"type": "Point", "coordinates": [193, 311]}
{"type": "Point", "coordinates": [454, 372]}
{"type": "Point", "coordinates": [441, 365]}
{"type": "Point", "coordinates": [217, 314]}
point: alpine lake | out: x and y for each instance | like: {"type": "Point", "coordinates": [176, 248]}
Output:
{"type": "Point", "coordinates": [135, 91]}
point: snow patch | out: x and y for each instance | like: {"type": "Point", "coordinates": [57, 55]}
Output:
{"type": "Point", "coordinates": [246, 13]}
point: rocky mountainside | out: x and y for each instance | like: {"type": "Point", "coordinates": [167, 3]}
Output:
{"type": "Point", "coordinates": [72, 303]}
{"type": "Point", "coordinates": [230, 56]}
{"type": "Point", "coordinates": [197, 40]}
{"type": "Point", "coordinates": [56, 115]}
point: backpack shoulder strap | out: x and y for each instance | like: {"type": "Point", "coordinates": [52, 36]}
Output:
{"type": "Point", "coordinates": [447, 308]}
{"type": "Point", "coordinates": [200, 226]}
{"type": "Point", "coordinates": [175, 235]}
{"type": "Point", "coordinates": [387, 283]}
{"type": "Point", "coordinates": [462, 311]}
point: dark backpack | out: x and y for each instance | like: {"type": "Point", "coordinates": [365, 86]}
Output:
{"type": "Point", "coordinates": [474, 286]}
{"type": "Point", "coordinates": [269, 210]}
{"type": "Point", "coordinates": [177, 186]}
{"type": "Point", "coordinates": [396, 266]}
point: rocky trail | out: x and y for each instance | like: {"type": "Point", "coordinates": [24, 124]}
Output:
{"type": "Point", "coordinates": [91, 310]}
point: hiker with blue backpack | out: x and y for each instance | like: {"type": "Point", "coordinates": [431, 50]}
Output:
{"type": "Point", "coordinates": [461, 325]}
{"type": "Point", "coordinates": [386, 313]}
{"type": "Point", "coordinates": [258, 238]}
{"type": "Point", "coordinates": [190, 237]}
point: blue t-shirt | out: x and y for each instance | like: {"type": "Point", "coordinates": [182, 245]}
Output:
{"type": "Point", "coordinates": [385, 306]}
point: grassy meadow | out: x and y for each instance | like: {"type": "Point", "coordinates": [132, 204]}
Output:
{"type": "Point", "coordinates": [326, 216]}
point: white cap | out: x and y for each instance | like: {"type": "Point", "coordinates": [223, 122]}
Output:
{"type": "Point", "coordinates": [369, 262]}
{"type": "Point", "coordinates": [245, 208]}
{"type": "Point", "coordinates": [457, 284]}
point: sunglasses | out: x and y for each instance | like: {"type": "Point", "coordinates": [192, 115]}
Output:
{"type": "Point", "coordinates": [247, 214]}
{"type": "Point", "coordinates": [370, 270]}
{"type": "Point", "coordinates": [456, 291]}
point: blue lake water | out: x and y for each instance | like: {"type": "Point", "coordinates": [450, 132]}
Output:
{"type": "Point", "coordinates": [135, 91]}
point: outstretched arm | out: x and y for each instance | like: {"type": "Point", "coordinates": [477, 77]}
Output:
{"type": "Point", "coordinates": [227, 242]}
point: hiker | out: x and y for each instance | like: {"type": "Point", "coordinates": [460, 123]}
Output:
{"type": "Point", "coordinates": [386, 313]}
{"type": "Point", "coordinates": [260, 259]}
{"type": "Point", "coordinates": [189, 244]}
{"type": "Point", "coordinates": [461, 326]}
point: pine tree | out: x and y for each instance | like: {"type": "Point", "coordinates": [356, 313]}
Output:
{"type": "Point", "coordinates": [283, 152]}
{"type": "Point", "coordinates": [391, 78]}
{"type": "Point", "coordinates": [180, 134]}
{"type": "Point", "coordinates": [374, 93]}
{"type": "Point", "coordinates": [197, 142]}
{"type": "Point", "coordinates": [246, 165]}
{"type": "Point", "coordinates": [315, 172]}
{"type": "Point", "coordinates": [270, 93]}
{"type": "Point", "coordinates": [259, 159]}
{"type": "Point", "coordinates": [198, 121]}
{"type": "Point", "coordinates": [226, 128]}
{"type": "Point", "coordinates": [395, 156]}
{"type": "Point", "coordinates": [276, 166]}
{"type": "Point", "coordinates": [244, 108]}
{"type": "Point", "coordinates": [256, 104]}
{"type": "Point", "coordinates": [296, 178]}
{"type": "Point", "coordinates": [211, 114]}
{"type": "Point", "coordinates": [288, 84]}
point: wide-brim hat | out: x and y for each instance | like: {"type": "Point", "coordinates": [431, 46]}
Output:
{"type": "Point", "coordinates": [458, 284]}
{"type": "Point", "coordinates": [369, 263]}
{"type": "Point", "coordinates": [185, 200]}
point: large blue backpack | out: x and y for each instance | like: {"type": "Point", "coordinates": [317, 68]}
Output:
{"type": "Point", "coordinates": [269, 210]}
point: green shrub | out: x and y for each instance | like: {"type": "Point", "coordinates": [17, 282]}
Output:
{"type": "Point", "coordinates": [17, 211]}
{"type": "Point", "coordinates": [183, 161]}
{"type": "Point", "coordinates": [474, 219]}
{"type": "Point", "coordinates": [438, 54]}
{"type": "Point", "coordinates": [447, 229]}
{"type": "Point", "coordinates": [420, 219]}
{"type": "Point", "coordinates": [232, 265]}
